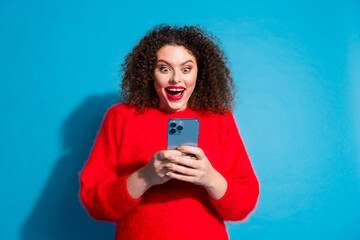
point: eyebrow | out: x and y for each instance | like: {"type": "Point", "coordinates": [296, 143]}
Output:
{"type": "Point", "coordinates": [161, 60]}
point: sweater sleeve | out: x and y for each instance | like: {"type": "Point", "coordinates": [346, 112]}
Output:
{"type": "Point", "coordinates": [102, 191]}
{"type": "Point", "coordinates": [243, 187]}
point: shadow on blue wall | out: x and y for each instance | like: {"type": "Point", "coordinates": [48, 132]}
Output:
{"type": "Point", "coordinates": [58, 213]}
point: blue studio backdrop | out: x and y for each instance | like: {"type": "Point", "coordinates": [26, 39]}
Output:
{"type": "Point", "coordinates": [296, 65]}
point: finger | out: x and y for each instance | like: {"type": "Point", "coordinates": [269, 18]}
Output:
{"type": "Point", "coordinates": [164, 170]}
{"type": "Point", "coordinates": [162, 173]}
{"type": "Point", "coordinates": [163, 163]}
{"type": "Point", "coordinates": [182, 169]}
{"type": "Point", "coordinates": [186, 161]}
{"type": "Point", "coordinates": [192, 156]}
{"type": "Point", "coordinates": [168, 154]}
{"type": "Point", "coordinates": [181, 177]}
{"type": "Point", "coordinates": [198, 152]}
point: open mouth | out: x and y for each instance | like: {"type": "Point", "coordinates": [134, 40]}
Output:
{"type": "Point", "coordinates": [175, 93]}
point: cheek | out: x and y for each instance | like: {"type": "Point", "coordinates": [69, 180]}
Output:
{"type": "Point", "coordinates": [192, 81]}
{"type": "Point", "coordinates": [157, 88]}
{"type": "Point", "coordinates": [160, 80]}
{"type": "Point", "coordinates": [157, 82]}
{"type": "Point", "coordinates": [194, 77]}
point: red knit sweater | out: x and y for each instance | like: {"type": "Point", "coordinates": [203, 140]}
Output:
{"type": "Point", "coordinates": [174, 210]}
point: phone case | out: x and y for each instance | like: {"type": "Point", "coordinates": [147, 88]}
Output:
{"type": "Point", "coordinates": [182, 131]}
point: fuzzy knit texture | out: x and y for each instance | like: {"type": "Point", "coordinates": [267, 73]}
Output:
{"type": "Point", "coordinates": [174, 210]}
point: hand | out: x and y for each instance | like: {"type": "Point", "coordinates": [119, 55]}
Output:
{"type": "Point", "coordinates": [192, 166]}
{"type": "Point", "coordinates": [156, 169]}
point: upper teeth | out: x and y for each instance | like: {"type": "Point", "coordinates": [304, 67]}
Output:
{"type": "Point", "coordinates": [175, 89]}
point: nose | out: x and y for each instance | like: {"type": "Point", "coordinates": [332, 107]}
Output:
{"type": "Point", "coordinates": [175, 78]}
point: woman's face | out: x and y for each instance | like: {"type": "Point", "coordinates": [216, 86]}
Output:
{"type": "Point", "coordinates": [174, 77]}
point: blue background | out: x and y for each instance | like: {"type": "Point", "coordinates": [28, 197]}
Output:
{"type": "Point", "coordinates": [296, 64]}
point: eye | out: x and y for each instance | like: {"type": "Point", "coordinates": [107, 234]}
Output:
{"type": "Point", "coordinates": [164, 69]}
{"type": "Point", "coordinates": [186, 69]}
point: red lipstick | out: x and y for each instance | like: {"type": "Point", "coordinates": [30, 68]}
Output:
{"type": "Point", "coordinates": [175, 92]}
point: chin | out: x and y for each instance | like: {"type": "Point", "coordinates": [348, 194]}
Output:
{"type": "Point", "coordinates": [174, 107]}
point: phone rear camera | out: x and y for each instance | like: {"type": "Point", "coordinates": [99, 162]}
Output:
{"type": "Point", "coordinates": [172, 124]}
{"type": "Point", "coordinates": [180, 128]}
{"type": "Point", "coordinates": [172, 131]}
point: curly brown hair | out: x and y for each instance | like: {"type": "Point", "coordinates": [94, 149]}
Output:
{"type": "Point", "coordinates": [214, 90]}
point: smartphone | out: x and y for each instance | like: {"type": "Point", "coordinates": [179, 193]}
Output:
{"type": "Point", "coordinates": [182, 131]}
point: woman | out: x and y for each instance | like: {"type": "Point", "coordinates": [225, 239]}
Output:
{"type": "Point", "coordinates": [154, 193]}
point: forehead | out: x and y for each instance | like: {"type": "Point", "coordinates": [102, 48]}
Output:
{"type": "Point", "coordinates": [174, 54]}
